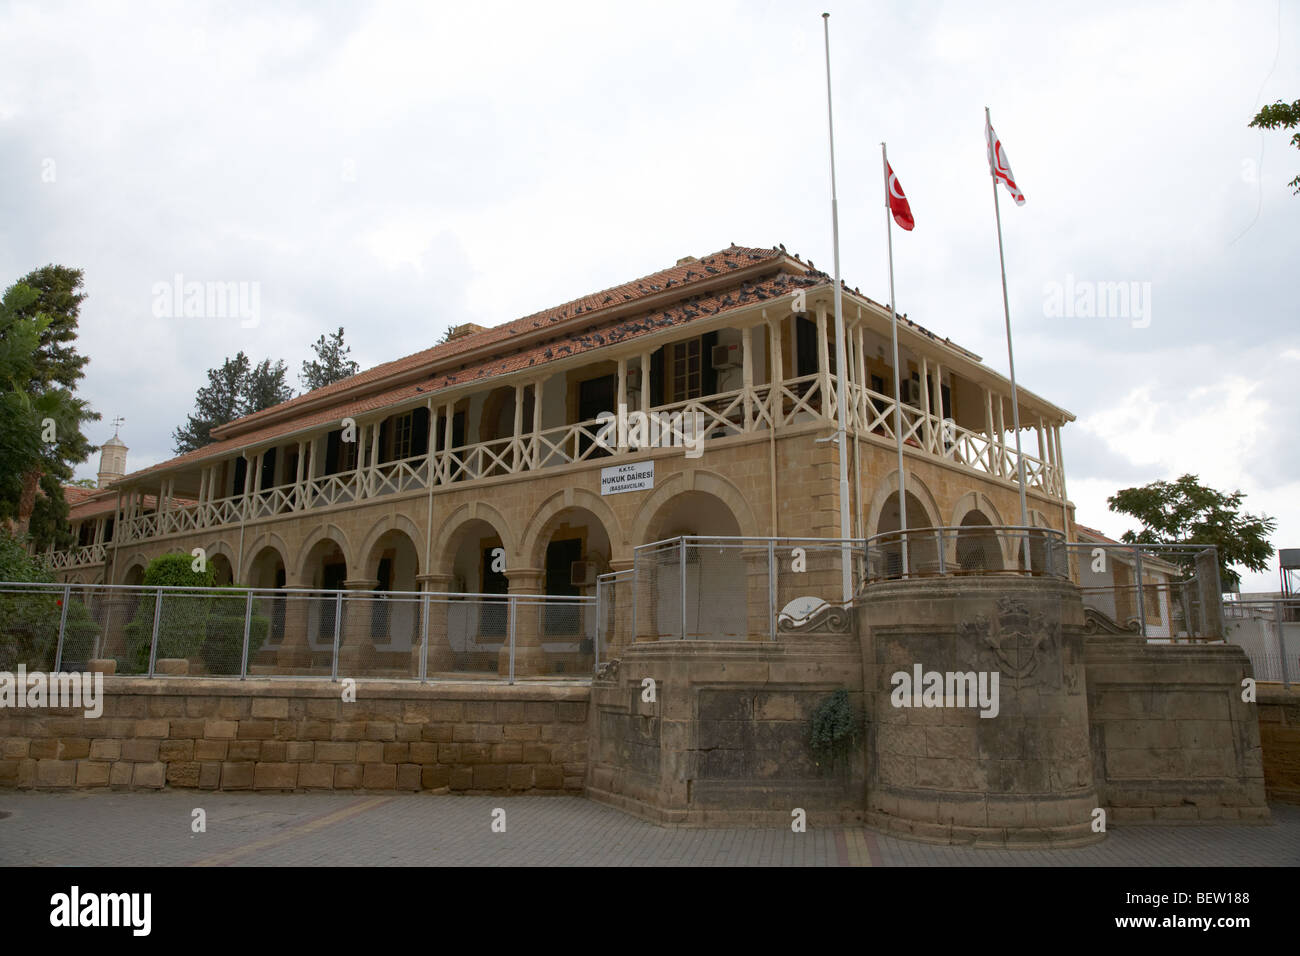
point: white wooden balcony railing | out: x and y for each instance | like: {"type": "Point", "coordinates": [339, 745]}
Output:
{"type": "Point", "coordinates": [808, 398]}
{"type": "Point", "coordinates": [87, 556]}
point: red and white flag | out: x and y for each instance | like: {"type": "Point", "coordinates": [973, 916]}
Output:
{"type": "Point", "coordinates": [898, 204]}
{"type": "Point", "coordinates": [999, 166]}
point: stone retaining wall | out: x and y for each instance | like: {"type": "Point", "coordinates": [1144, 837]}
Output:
{"type": "Point", "coordinates": [1279, 734]}
{"type": "Point", "coordinates": [1172, 739]}
{"type": "Point", "coordinates": [218, 734]}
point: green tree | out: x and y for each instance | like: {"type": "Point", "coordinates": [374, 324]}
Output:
{"type": "Point", "coordinates": [40, 417]}
{"type": "Point", "coordinates": [235, 389]}
{"type": "Point", "coordinates": [1187, 512]}
{"type": "Point", "coordinates": [266, 387]}
{"type": "Point", "coordinates": [1280, 115]}
{"type": "Point", "coordinates": [330, 365]}
{"type": "Point", "coordinates": [59, 297]}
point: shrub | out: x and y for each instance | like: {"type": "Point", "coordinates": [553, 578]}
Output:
{"type": "Point", "coordinates": [223, 648]}
{"type": "Point", "coordinates": [29, 621]}
{"type": "Point", "coordinates": [834, 728]}
{"type": "Point", "coordinates": [177, 571]}
{"type": "Point", "coordinates": [182, 621]}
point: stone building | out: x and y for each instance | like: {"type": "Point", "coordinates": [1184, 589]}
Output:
{"type": "Point", "coordinates": [409, 476]}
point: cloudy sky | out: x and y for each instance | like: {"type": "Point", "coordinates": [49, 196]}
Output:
{"type": "Point", "coordinates": [397, 168]}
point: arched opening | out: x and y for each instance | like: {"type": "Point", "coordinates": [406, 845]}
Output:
{"type": "Point", "coordinates": [394, 615]}
{"type": "Point", "coordinates": [922, 548]}
{"type": "Point", "coordinates": [134, 576]}
{"type": "Point", "coordinates": [706, 600]}
{"type": "Point", "coordinates": [572, 548]}
{"type": "Point", "coordinates": [325, 568]}
{"type": "Point", "coordinates": [266, 570]}
{"type": "Point", "coordinates": [477, 625]}
{"type": "Point", "coordinates": [223, 575]}
{"type": "Point", "coordinates": [978, 549]}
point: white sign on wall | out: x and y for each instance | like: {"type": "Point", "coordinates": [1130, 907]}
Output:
{"type": "Point", "coordinates": [635, 477]}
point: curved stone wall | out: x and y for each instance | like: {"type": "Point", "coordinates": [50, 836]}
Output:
{"type": "Point", "coordinates": [1013, 766]}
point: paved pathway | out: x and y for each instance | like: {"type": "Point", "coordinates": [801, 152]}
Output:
{"type": "Point", "coordinates": [95, 829]}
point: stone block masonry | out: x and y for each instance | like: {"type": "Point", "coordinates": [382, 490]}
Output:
{"type": "Point", "coordinates": [216, 734]}
{"type": "Point", "coordinates": [1279, 735]}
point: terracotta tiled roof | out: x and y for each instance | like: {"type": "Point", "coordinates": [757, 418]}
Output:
{"type": "Point", "coordinates": [670, 297]}
{"type": "Point", "coordinates": [1094, 533]}
{"type": "Point", "coordinates": [679, 276]}
{"type": "Point", "coordinates": [584, 324]}
{"type": "Point", "coordinates": [75, 494]}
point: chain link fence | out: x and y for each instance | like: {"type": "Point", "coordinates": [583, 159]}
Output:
{"type": "Point", "coordinates": [1269, 632]}
{"type": "Point", "coordinates": [1160, 592]}
{"type": "Point", "coordinates": [289, 632]}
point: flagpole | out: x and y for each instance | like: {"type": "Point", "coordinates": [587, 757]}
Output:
{"type": "Point", "coordinates": [898, 387]}
{"type": "Point", "coordinates": [1011, 358]}
{"type": "Point", "coordinates": [841, 356]}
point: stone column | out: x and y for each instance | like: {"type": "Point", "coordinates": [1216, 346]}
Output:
{"type": "Point", "coordinates": [356, 650]}
{"type": "Point", "coordinates": [758, 621]}
{"type": "Point", "coordinates": [441, 657]}
{"type": "Point", "coordinates": [529, 658]}
{"type": "Point", "coordinates": [294, 652]}
{"type": "Point", "coordinates": [620, 623]}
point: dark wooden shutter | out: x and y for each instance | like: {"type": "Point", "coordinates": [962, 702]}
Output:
{"type": "Point", "coordinates": [657, 378]}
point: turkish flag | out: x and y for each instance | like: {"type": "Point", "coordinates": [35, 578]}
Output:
{"type": "Point", "coordinates": [898, 204]}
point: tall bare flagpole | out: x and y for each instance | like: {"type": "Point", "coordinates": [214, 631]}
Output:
{"type": "Point", "coordinates": [841, 356]}
{"type": "Point", "coordinates": [1011, 357]}
{"type": "Point", "coordinates": [898, 386]}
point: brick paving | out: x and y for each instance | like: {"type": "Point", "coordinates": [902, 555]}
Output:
{"type": "Point", "coordinates": [331, 829]}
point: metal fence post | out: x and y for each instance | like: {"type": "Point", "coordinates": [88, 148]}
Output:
{"type": "Point", "coordinates": [513, 610]}
{"type": "Point", "coordinates": [1279, 623]}
{"type": "Point", "coordinates": [681, 560]}
{"type": "Point", "coordinates": [338, 626]}
{"type": "Point", "coordinates": [63, 626]}
{"type": "Point", "coordinates": [938, 540]}
{"type": "Point", "coordinates": [1141, 594]}
{"type": "Point", "coordinates": [153, 640]}
{"type": "Point", "coordinates": [248, 621]}
{"type": "Point", "coordinates": [600, 625]}
{"type": "Point", "coordinates": [771, 587]}
{"type": "Point", "coordinates": [424, 641]}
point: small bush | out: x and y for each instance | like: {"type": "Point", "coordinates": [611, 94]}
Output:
{"type": "Point", "coordinates": [29, 621]}
{"type": "Point", "coordinates": [834, 728]}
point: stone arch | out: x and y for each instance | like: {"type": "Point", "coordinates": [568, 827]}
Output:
{"type": "Point", "coordinates": [535, 538]}
{"type": "Point", "coordinates": [319, 534]}
{"type": "Point", "coordinates": [223, 572]}
{"type": "Point", "coordinates": [267, 539]}
{"type": "Point", "coordinates": [975, 501]}
{"type": "Point", "coordinates": [133, 568]}
{"type": "Point", "coordinates": [443, 548]}
{"type": "Point", "coordinates": [977, 547]}
{"type": "Point", "coordinates": [693, 479]}
{"type": "Point", "coordinates": [266, 567]}
{"type": "Point", "coordinates": [227, 568]}
{"type": "Point", "coordinates": [916, 491]}
{"type": "Point", "coordinates": [387, 526]}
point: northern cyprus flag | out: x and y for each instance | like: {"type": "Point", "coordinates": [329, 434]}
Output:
{"type": "Point", "coordinates": [999, 165]}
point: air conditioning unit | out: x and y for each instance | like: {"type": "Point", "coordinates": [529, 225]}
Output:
{"type": "Point", "coordinates": [723, 356]}
{"type": "Point", "coordinates": [911, 391]}
{"type": "Point", "coordinates": [582, 574]}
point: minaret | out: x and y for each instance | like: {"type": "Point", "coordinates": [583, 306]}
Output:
{"type": "Point", "coordinates": [112, 458]}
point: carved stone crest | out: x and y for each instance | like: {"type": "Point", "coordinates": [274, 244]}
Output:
{"type": "Point", "coordinates": [1016, 636]}
{"type": "Point", "coordinates": [608, 672]}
